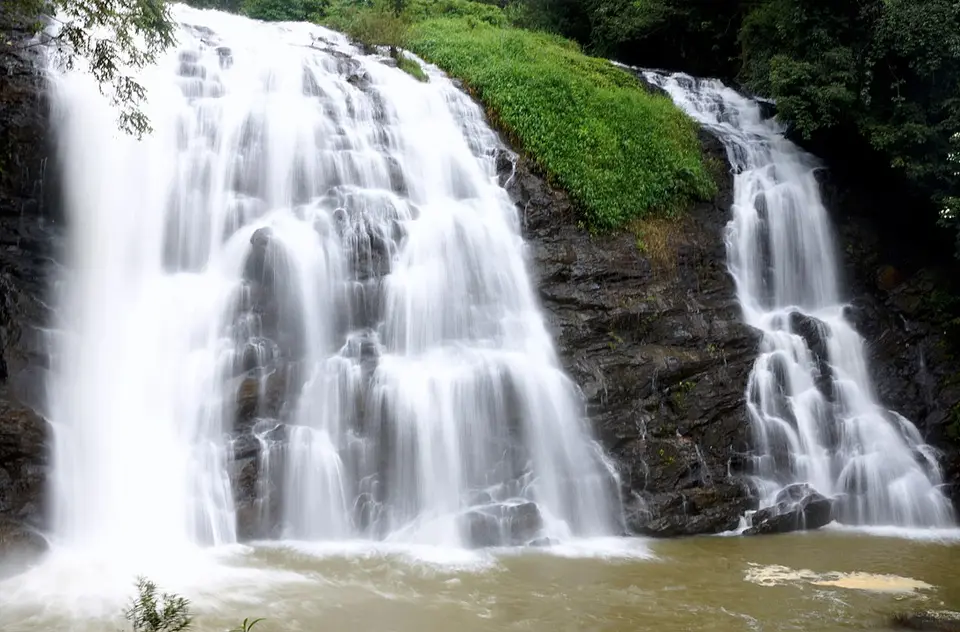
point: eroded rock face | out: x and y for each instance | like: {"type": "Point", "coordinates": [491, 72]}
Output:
{"type": "Point", "coordinates": [28, 236]}
{"type": "Point", "coordinates": [650, 329]}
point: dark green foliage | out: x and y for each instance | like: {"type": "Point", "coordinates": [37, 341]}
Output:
{"type": "Point", "coordinates": [887, 70]}
{"type": "Point", "coordinates": [285, 10]}
{"type": "Point", "coordinates": [950, 208]}
{"type": "Point", "coordinates": [230, 6]}
{"type": "Point", "coordinates": [567, 17]}
{"type": "Point", "coordinates": [115, 37]}
{"type": "Point", "coordinates": [620, 152]}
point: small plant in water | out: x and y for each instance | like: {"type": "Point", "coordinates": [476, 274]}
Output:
{"type": "Point", "coordinates": [150, 612]}
{"type": "Point", "coordinates": [247, 625]}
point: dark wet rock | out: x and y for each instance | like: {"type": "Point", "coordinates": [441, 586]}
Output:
{"type": "Point", "coordinates": [24, 461]}
{"type": "Point", "coordinates": [20, 546]}
{"type": "Point", "coordinates": [798, 507]}
{"type": "Point", "coordinates": [523, 522]}
{"type": "Point", "coordinates": [29, 236]}
{"type": "Point", "coordinates": [813, 331]}
{"type": "Point", "coordinates": [502, 525]}
{"type": "Point", "coordinates": [192, 70]}
{"type": "Point", "coordinates": [398, 183]}
{"type": "Point", "coordinates": [658, 347]}
{"type": "Point", "coordinates": [815, 334]}
{"type": "Point", "coordinates": [225, 55]}
{"type": "Point", "coordinates": [481, 529]}
{"type": "Point", "coordinates": [930, 620]}
{"type": "Point", "coordinates": [359, 79]}
{"type": "Point", "coordinates": [257, 353]}
{"type": "Point", "coordinates": [261, 397]}
{"type": "Point", "coordinates": [714, 509]}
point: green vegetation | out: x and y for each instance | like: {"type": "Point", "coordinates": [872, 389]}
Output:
{"type": "Point", "coordinates": [873, 82]}
{"type": "Point", "coordinates": [282, 10]}
{"type": "Point", "coordinates": [411, 67]}
{"type": "Point", "coordinates": [153, 612]}
{"type": "Point", "coordinates": [620, 152]}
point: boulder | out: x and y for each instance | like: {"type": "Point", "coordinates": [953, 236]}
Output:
{"type": "Point", "coordinates": [503, 525]}
{"type": "Point", "coordinates": [797, 507]}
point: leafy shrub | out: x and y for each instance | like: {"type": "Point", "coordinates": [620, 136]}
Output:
{"type": "Point", "coordinates": [619, 151]}
{"type": "Point", "coordinates": [375, 25]}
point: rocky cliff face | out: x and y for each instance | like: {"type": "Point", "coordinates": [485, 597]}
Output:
{"type": "Point", "coordinates": [27, 237]}
{"type": "Point", "coordinates": [646, 322]}
{"type": "Point", "coordinates": [648, 325]}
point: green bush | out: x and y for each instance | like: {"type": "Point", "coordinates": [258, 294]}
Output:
{"type": "Point", "coordinates": [621, 152]}
{"type": "Point", "coordinates": [373, 26]}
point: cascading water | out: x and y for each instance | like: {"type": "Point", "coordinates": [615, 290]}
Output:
{"type": "Point", "coordinates": [810, 396]}
{"type": "Point", "coordinates": [308, 224]}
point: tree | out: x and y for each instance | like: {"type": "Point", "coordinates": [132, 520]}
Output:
{"type": "Point", "coordinates": [115, 39]}
{"type": "Point", "coordinates": [885, 73]}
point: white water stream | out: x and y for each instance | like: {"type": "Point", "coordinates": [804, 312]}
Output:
{"type": "Point", "coordinates": [810, 397]}
{"type": "Point", "coordinates": [306, 224]}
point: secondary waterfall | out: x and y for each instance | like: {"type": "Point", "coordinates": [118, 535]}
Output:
{"type": "Point", "coordinates": [815, 416]}
{"type": "Point", "coordinates": [306, 283]}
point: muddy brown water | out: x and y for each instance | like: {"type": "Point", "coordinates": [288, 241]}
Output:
{"type": "Point", "coordinates": [827, 581]}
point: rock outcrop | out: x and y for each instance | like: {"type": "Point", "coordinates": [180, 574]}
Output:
{"type": "Point", "coordinates": [647, 323]}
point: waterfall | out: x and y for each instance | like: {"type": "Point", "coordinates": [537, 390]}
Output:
{"type": "Point", "coordinates": [815, 416]}
{"type": "Point", "coordinates": [308, 275]}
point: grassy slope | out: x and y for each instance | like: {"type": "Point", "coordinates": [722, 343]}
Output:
{"type": "Point", "coordinates": [621, 152]}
